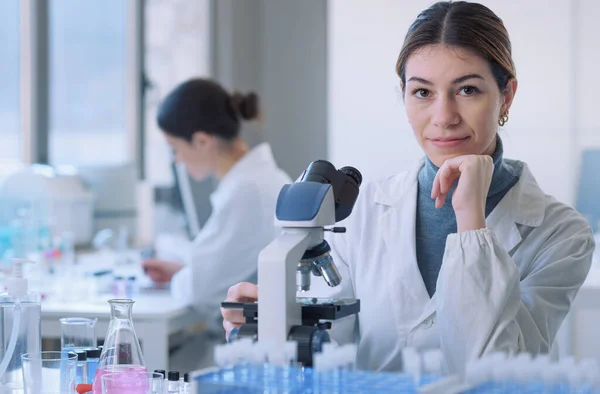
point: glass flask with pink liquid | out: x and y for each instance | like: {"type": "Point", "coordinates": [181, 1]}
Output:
{"type": "Point", "coordinates": [122, 352]}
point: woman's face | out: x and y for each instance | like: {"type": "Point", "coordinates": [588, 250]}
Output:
{"type": "Point", "coordinates": [453, 102]}
{"type": "Point", "coordinates": [198, 156]}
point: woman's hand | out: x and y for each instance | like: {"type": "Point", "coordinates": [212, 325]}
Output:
{"type": "Point", "coordinates": [161, 271]}
{"type": "Point", "coordinates": [242, 292]}
{"type": "Point", "coordinates": [474, 174]}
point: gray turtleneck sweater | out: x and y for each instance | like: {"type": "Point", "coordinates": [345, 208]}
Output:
{"type": "Point", "coordinates": [434, 225]}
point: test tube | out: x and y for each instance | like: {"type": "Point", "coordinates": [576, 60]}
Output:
{"type": "Point", "coordinates": [81, 368]}
{"type": "Point", "coordinates": [93, 357]}
{"type": "Point", "coordinates": [173, 383]}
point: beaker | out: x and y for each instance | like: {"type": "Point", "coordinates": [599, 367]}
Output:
{"type": "Point", "coordinates": [49, 372]}
{"type": "Point", "coordinates": [122, 352]}
{"type": "Point", "coordinates": [78, 333]}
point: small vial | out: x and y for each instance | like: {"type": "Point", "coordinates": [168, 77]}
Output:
{"type": "Point", "coordinates": [185, 387]}
{"type": "Point", "coordinates": [131, 287]}
{"type": "Point", "coordinates": [118, 286]}
{"type": "Point", "coordinates": [160, 386]}
{"type": "Point", "coordinates": [81, 368]}
{"type": "Point", "coordinates": [93, 357]}
{"type": "Point", "coordinates": [173, 383]}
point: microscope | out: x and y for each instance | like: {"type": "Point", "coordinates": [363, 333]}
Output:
{"type": "Point", "coordinates": [320, 197]}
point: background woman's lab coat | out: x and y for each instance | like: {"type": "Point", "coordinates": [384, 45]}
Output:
{"type": "Point", "coordinates": [507, 287]}
{"type": "Point", "coordinates": [226, 250]}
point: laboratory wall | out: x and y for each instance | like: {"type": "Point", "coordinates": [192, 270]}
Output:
{"type": "Point", "coordinates": [176, 48]}
{"type": "Point", "coordinates": [246, 46]}
{"type": "Point", "coordinates": [553, 115]}
{"type": "Point", "coordinates": [581, 329]}
{"type": "Point", "coordinates": [587, 78]}
{"type": "Point", "coordinates": [279, 49]}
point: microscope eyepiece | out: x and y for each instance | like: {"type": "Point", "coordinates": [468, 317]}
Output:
{"type": "Point", "coordinates": [352, 173]}
{"type": "Point", "coordinates": [345, 183]}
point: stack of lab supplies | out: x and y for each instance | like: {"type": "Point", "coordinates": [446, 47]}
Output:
{"type": "Point", "coordinates": [174, 383]}
{"type": "Point", "coordinates": [497, 373]}
{"type": "Point", "coordinates": [242, 369]}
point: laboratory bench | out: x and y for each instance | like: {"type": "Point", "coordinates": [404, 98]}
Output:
{"type": "Point", "coordinates": [156, 317]}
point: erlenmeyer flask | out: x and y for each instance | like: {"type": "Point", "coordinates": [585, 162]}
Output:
{"type": "Point", "coordinates": [121, 352]}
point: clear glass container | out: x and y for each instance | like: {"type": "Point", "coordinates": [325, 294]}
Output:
{"type": "Point", "coordinates": [122, 352]}
{"type": "Point", "coordinates": [49, 373]}
{"type": "Point", "coordinates": [78, 333]}
{"type": "Point", "coordinates": [22, 314]}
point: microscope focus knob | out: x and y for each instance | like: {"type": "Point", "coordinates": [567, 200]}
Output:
{"type": "Point", "coordinates": [310, 340]}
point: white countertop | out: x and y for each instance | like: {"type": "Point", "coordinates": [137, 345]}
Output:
{"type": "Point", "coordinates": [148, 305]}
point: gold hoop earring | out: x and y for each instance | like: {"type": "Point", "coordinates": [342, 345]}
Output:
{"type": "Point", "coordinates": [503, 119]}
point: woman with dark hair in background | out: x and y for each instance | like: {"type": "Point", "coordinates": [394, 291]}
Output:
{"type": "Point", "coordinates": [464, 252]}
{"type": "Point", "coordinates": [201, 122]}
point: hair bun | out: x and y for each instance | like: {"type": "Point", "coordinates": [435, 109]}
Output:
{"type": "Point", "coordinates": [245, 105]}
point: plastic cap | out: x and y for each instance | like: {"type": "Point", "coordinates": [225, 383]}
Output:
{"type": "Point", "coordinates": [411, 361]}
{"type": "Point", "coordinates": [320, 361]}
{"type": "Point", "coordinates": [348, 354]}
{"type": "Point", "coordinates": [84, 388]}
{"type": "Point", "coordinates": [290, 349]}
{"type": "Point", "coordinates": [218, 355]}
{"type": "Point", "coordinates": [328, 347]}
{"type": "Point", "coordinates": [173, 376]}
{"type": "Point", "coordinates": [94, 353]}
{"type": "Point", "coordinates": [82, 355]}
{"type": "Point", "coordinates": [17, 285]}
{"type": "Point", "coordinates": [259, 353]}
{"type": "Point", "coordinates": [432, 361]}
{"type": "Point", "coordinates": [186, 377]}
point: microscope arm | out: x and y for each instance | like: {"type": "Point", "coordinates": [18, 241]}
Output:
{"type": "Point", "coordinates": [277, 266]}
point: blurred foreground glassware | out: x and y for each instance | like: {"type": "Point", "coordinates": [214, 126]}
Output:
{"type": "Point", "coordinates": [122, 352]}
{"type": "Point", "coordinates": [78, 333]}
{"type": "Point", "coordinates": [119, 383]}
{"type": "Point", "coordinates": [49, 373]}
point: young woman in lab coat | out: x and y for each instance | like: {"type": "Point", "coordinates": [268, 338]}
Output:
{"type": "Point", "coordinates": [201, 122]}
{"type": "Point", "coordinates": [464, 251]}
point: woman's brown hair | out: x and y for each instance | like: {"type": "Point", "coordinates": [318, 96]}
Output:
{"type": "Point", "coordinates": [465, 25]}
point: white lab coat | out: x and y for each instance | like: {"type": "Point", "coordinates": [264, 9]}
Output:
{"type": "Point", "coordinates": [506, 287]}
{"type": "Point", "coordinates": [226, 250]}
